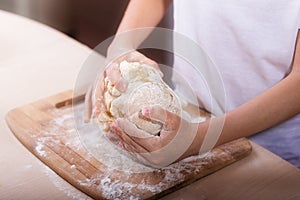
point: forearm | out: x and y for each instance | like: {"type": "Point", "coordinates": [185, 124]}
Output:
{"type": "Point", "coordinates": [139, 14]}
{"type": "Point", "coordinates": [143, 13]}
{"type": "Point", "coordinates": [266, 110]}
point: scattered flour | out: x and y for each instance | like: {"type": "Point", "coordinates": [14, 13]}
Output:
{"type": "Point", "coordinates": [39, 149]}
{"type": "Point", "coordinates": [73, 166]}
{"type": "Point", "coordinates": [91, 136]}
{"type": "Point", "coordinates": [94, 140]}
{"type": "Point", "coordinates": [61, 121]}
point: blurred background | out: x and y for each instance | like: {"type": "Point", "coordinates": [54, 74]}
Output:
{"type": "Point", "coordinates": [88, 21]}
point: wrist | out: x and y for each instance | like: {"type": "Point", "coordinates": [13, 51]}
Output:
{"type": "Point", "coordinates": [195, 147]}
{"type": "Point", "coordinates": [117, 49]}
{"type": "Point", "coordinates": [202, 129]}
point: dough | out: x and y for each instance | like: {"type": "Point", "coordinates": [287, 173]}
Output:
{"type": "Point", "coordinates": [145, 88]}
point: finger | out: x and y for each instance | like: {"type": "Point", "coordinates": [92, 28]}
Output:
{"type": "Point", "coordinates": [98, 107]}
{"type": "Point", "coordinates": [97, 95]}
{"type": "Point", "coordinates": [155, 113]}
{"type": "Point", "coordinates": [115, 77]}
{"type": "Point", "coordinates": [169, 120]}
{"type": "Point", "coordinates": [146, 153]}
{"type": "Point", "coordinates": [117, 140]}
{"type": "Point", "coordinates": [134, 147]}
{"type": "Point", "coordinates": [88, 105]}
{"type": "Point", "coordinates": [138, 137]}
{"type": "Point", "coordinates": [139, 155]}
{"type": "Point", "coordinates": [128, 132]}
{"type": "Point", "coordinates": [143, 158]}
{"type": "Point", "coordinates": [146, 149]}
{"type": "Point", "coordinates": [113, 73]}
{"type": "Point", "coordinates": [114, 138]}
{"type": "Point", "coordinates": [131, 129]}
{"type": "Point", "coordinates": [138, 57]}
{"type": "Point", "coordinates": [99, 87]}
{"type": "Point", "coordinates": [152, 63]}
{"type": "Point", "coordinates": [122, 85]}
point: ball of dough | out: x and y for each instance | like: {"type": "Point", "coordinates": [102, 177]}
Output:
{"type": "Point", "coordinates": [145, 89]}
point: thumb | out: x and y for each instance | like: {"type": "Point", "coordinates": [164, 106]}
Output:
{"type": "Point", "coordinates": [170, 120]}
{"type": "Point", "coordinates": [88, 105]}
{"type": "Point", "coordinates": [130, 128]}
{"type": "Point", "coordinates": [155, 113]}
{"type": "Point", "coordinates": [122, 85]}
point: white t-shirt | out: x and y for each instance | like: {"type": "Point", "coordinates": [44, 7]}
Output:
{"type": "Point", "coordinates": [251, 43]}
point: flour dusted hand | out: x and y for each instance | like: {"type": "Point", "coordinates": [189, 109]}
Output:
{"type": "Point", "coordinates": [145, 88]}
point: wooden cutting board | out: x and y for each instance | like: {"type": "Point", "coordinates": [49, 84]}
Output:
{"type": "Point", "coordinates": [46, 129]}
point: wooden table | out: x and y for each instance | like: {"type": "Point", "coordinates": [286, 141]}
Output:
{"type": "Point", "coordinates": [37, 61]}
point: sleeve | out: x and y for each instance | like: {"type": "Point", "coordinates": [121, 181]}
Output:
{"type": "Point", "coordinates": [298, 16]}
{"type": "Point", "coordinates": [298, 19]}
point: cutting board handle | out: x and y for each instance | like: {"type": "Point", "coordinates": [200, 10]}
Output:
{"type": "Point", "coordinates": [65, 99]}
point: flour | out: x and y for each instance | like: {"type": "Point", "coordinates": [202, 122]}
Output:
{"type": "Point", "coordinates": [61, 121]}
{"type": "Point", "coordinates": [115, 189]}
{"type": "Point", "coordinates": [39, 149]}
{"type": "Point", "coordinates": [77, 135]}
{"type": "Point", "coordinates": [96, 142]}
{"type": "Point", "coordinates": [73, 167]}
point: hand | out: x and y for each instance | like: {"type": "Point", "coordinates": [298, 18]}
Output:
{"type": "Point", "coordinates": [178, 138]}
{"type": "Point", "coordinates": [94, 96]}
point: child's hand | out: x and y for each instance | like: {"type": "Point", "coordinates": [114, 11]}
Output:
{"type": "Point", "coordinates": [173, 143]}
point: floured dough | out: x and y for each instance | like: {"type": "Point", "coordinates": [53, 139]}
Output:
{"type": "Point", "coordinates": [145, 89]}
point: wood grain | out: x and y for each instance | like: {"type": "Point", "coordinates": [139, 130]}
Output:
{"type": "Point", "coordinates": [59, 147]}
